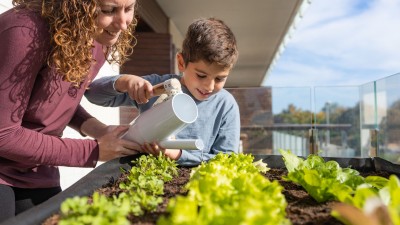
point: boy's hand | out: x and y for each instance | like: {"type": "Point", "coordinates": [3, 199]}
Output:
{"type": "Point", "coordinates": [137, 88]}
{"type": "Point", "coordinates": [155, 149]}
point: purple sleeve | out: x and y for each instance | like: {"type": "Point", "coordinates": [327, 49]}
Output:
{"type": "Point", "coordinates": [80, 116]}
{"type": "Point", "coordinates": [23, 54]}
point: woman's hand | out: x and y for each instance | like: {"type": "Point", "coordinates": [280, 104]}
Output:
{"type": "Point", "coordinates": [137, 88]}
{"type": "Point", "coordinates": [109, 139]}
{"type": "Point", "coordinates": [112, 146]}
{"type": "Point", "coordinates": [155, 149]}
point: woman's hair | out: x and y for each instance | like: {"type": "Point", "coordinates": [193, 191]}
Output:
{"type": "Point", "coordinates": [72, 28]}
{"type": "Point", "coordinates": [210, 40]}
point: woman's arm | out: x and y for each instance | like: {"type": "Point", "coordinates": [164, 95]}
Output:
{"type": "Point", "coordinates": [23, 55]}
{"type": "Point", "coordinates": [92, 127]}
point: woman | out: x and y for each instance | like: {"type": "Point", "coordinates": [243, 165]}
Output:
{"type": "Point", "coordinates": [50, 51]}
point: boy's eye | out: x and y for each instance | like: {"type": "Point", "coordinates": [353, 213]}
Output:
{"type": "Point", "coordinates": [220, 79]}
{"type": "Point", "coordinates": [201, 76]}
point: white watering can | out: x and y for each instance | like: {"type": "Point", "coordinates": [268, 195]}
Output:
{"type": "Point", "coordinates": [172, 112]}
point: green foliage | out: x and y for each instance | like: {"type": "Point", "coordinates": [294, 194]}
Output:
{"type": "Point", "coordinates": [390, 194]}
{"type": "Point", "coordinates": [77, 211]}
{"type": "Point", "coordinates": [145, 182]}
{"type": "Point", "coordinates": [328, 181]}
{"type": "Point", "coordinates": [142, 192]}
{"type": "Point", "coordinates": [293, 115]}
{"type": "Point", "coordinates": [337, 115]}
{"type": "Point", "coordinates": [261, 166]}
{"type": "Point", "coordinates": [229, 189]}
{"type": "Point", "coordinates": [373, 208]}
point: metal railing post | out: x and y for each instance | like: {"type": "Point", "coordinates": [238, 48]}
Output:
{"type": "Point", "coordinates": [313, 137]}
{"type": "Point", "coordinates": [374, 147]}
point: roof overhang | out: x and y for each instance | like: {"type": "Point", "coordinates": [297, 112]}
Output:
{"type": "Point", "coordinates": [260, 27]}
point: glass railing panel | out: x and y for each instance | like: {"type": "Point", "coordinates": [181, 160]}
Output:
{"type": "Point", "coordinates": [388, 118]}
{"type": "Point", "coordinates": [346, 121]}
{"type": "Point", "coordinates": [292, 116]}
{"type": "Point", "coordinates": [255, 118]}
{"type": "Point", "coordinates": [337, 121]}
{"type": "Point", "coordinates": [368, 119]}
{"type": "Point", "coordinates": [274, 118]}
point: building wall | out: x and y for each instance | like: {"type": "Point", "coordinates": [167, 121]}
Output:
{"type": "Point", "coordinates": [256, 116]}
{"type": "Point", "coordinates": [153, 53]}
{"type": "Point", "coordinates": [177, 40]}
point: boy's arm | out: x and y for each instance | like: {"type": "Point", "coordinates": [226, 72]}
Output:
{"type": "Point", "coordinates": [138, 89]}
{"type": "Point", "coordinates": [124, 90]}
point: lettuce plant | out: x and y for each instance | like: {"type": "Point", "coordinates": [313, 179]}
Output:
{"type": "Point", "coordinates": [229, 189]}
{"type": "Point", "coordinates": [77, 211]}
{"type": "Point", "coordinates": [382, 208]}
{"type": "Point", "coordinates": [326, 181]}
{"type": "Point", "coordinates": [141, 192]}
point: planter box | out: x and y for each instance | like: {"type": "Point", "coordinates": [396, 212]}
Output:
{"type": "Point", "coordinates": [110, 171]}
{"type": "Point", "coordinates": [98, 177]}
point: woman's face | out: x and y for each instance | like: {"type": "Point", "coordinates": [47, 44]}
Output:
{"type": "Point", "coordinates": [114, 16]}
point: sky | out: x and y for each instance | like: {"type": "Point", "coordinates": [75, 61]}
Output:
{"type": "Point", "coordinates": [340, 43]}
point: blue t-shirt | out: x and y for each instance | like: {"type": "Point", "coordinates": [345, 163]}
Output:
{"type": "Point", "coordinates": [217, 124]}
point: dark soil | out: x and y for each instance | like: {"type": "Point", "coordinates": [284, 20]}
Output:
{"type": "Point", "coordinates": [302, 209]}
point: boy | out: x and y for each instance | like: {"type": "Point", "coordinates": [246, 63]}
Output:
{"type": "Point", "coordinates": [208, 54]}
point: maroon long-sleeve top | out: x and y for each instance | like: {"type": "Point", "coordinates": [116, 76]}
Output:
{"type": "Point", "coordinates": [36, 105]}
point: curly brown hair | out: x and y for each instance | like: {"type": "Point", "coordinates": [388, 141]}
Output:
{"type": "Point", "coordinates": [211, 40]}
{"type": "Point", "coordinates": [72, 27]}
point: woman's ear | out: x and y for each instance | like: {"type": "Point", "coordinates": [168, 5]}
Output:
{"type": "Point", "coordinates": [181, 62]}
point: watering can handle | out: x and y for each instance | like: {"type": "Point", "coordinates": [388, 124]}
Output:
{"type": "Point", "coordinates": [169, 87]}
{"type": "Point", "coordinates": [166, 90]}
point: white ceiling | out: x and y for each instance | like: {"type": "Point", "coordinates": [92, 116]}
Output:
{"type": "Point", "coordinates": [260, 27]}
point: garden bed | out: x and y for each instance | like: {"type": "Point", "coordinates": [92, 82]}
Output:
{"type": "Point", "coordinates": [301, 209]}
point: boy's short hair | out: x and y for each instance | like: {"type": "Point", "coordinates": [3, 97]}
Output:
{"type": "Point", "coordinates": [210, 40]}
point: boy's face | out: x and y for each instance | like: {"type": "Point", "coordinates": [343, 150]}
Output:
{"type": "Point", "coordinates": [202, 79]}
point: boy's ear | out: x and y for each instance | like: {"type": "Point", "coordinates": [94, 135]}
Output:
{"type": "Point", "coordinates": [181, 62]}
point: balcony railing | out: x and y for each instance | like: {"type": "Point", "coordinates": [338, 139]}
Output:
{"type": "Point", "coordinates": [339, 121]}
